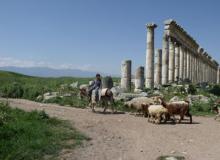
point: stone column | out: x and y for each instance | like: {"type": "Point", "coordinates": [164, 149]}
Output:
{"type": "Point", "coordinates": [208, 73]}
{"type": "Point", "coordinates": [149, 82]}
{"type": "Point", "coordinates": [185, 64]}
{"type": "Point", "coordinates": [197, 65]}
{"type": "Point", "coordinates": [181, 70]}
{"type": "Point", "coordinates": [165, 60]}
{"type": "Point", "coordinates": [200, 69]}
{"type": "Point", "coordinates": [171, 61]}
{"type": "Point", "coordinates": [204, 70]}
{"type": "Point", "coordinates": [177, 62]}
{"type": "Point", "coordinates": [139, 79]}
{"type": "Point", "coordinates": [158, 68]}
{"type": "Point", "coordinates": [218, 75]}
{"type": "Point", "coordinates": [188, 65]}
{"type": "Point", "coordinates": [195, 69]}
{"type": "Point", "coordinates": [126, 75]}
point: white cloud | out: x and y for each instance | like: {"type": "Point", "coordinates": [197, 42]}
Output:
{"type": "Point", "coordinates": [9, 61]}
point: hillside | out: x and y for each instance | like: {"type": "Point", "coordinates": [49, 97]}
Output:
{"type": "Point", "coordinates": [49, 72]}
{"type": "Point", "coordinates": [8, 74]}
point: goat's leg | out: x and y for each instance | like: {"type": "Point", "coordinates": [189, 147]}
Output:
{"type": "Point", "coordinates": [158, 118]}
{"type": "Point", "coordinates": [93, 107]}
{"type": "Point", "coordinates": [149, 116]}
{"type": "Point", "coordinates": [181, 117]}
{"type": "Point", "coordinates": [174, 119]}
{"type": "Point", "coordinates": [216, 117]}
{"type": "Point", "coordinates": [189, 115]}
{"type": "Point", "coordinates": [165, 118]}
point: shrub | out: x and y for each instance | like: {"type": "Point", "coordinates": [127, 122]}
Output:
{"type": "Point", "coordinates": [215, 90]}
{"type": "Point", "coordinates": [192, 89]}
{"type": "Point", "coordinates": [198, 108]}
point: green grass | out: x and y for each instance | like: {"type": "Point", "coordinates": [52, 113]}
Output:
{"type": "Point", "coordinates": [15, 85]}
{"type": "Point", "coordinates": [34, 135]}
{"type": "Point", "coordinates": [69, 101]}
{"type": "Point", "coordinates": [201, 109]}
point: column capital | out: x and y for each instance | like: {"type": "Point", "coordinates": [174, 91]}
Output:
{"type": "Point", "coordinates": [176, 43]}
{"type": "Point", "coordinates": [200, 50]}
{"type": "Point", "coordinates": [151, 25]}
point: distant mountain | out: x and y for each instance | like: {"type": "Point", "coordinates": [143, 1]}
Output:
{"type": "Point", "coordinates": [49, 72]}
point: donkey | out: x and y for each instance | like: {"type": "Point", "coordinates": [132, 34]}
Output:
{"type": "Point", "coordinates": [105, 98]}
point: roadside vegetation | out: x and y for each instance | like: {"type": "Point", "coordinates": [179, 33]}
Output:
{"type": "Point", "coordinates": [34, 135]}
{"type": "Point", "coordinates": [15, 85]}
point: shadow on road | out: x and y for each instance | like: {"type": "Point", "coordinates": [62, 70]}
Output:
{"type": "Point", "coordinates": [108, 112]}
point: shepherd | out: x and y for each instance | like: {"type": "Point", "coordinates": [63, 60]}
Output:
{"type": "Point", "coordinates": [95, 86]}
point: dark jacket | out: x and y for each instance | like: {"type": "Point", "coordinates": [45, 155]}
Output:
{"type": "Point", "coordinates": [96, 85]}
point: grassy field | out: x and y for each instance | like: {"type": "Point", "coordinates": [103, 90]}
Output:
{"type": "Point", "coordinates": [20, 86]}
{"type": "Point", "coordinates": [34, 135]}
{"type": "Point", "coordinates": [15, 85]}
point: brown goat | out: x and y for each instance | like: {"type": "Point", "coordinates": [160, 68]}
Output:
{"type": "Point", "coordinates": [178, 108]}
{"type": "Point", "coordinates": [216, 109]}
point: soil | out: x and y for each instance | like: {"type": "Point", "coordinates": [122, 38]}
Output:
{"type": "Point", "coordinates": [122, 136]}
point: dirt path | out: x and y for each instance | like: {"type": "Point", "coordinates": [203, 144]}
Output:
{"type": "Point", "coordinates": [126, 137]}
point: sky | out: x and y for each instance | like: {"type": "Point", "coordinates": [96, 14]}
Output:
{"type": "Point", "coordinates": [96, 35]}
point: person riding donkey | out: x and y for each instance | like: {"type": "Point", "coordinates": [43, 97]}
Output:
{"type": "Point", "coordinates": [95, 86]}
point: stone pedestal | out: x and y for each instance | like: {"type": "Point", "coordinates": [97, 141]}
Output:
{"type": "Point", "coordinates": [149, 82]}
{"type": "Point", "coordinates": [126, 75]}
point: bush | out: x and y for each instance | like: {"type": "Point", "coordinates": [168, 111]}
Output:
{"type": "Point", "coordinates": [215, 90]}
{"type": "Point", "coordinates": [192, 89]}
{"type": "Point", "coordinates": [198, 108]}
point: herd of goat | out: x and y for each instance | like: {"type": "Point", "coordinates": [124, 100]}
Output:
{"type": "Point", "coordinates": [157, 110]}
{"type": "Point", "coordinates": [164, 111]}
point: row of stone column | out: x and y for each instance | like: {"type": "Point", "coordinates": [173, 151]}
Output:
{"type": "Point", "coordinates": [200, 70]}
{"type": "Point", "coordinates": [175, 62]}
{"type": "Point", "coordinates": [180, 63]}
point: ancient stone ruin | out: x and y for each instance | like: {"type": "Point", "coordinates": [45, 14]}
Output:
{"type": "Point", "coordinates": [181, 58]}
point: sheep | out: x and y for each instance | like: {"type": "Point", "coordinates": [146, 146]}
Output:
{"type": "Point", "coordinates": [155, 112]}
{"type": "Point", "coordinates": [136, 103]}
{"type": "Point", "coordinates": [180, 107]}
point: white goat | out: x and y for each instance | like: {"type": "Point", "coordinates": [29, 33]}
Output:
{"type": "Point", "coordinates": [156, 112]}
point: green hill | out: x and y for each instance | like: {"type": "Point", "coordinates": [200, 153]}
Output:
{"type": "Point", "coordinates": [7, 74]}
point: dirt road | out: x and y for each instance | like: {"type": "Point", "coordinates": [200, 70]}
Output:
{"type": "Point", "coordinates": [126, 137]}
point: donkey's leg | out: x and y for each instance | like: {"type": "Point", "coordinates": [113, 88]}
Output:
{"type": "Point", "coordinates": [112, 103]}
